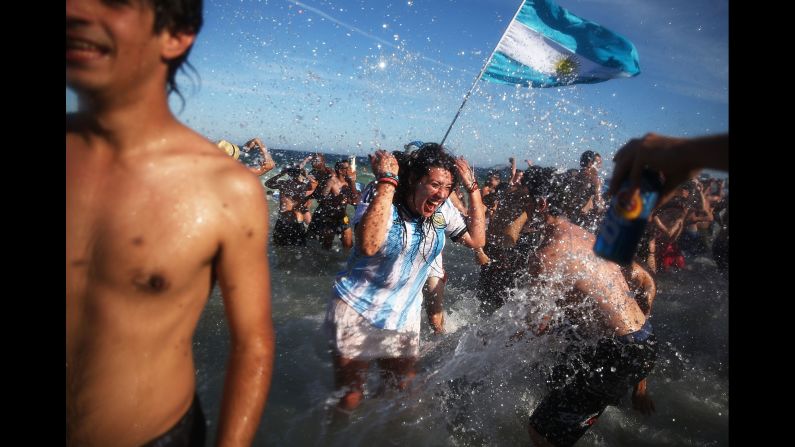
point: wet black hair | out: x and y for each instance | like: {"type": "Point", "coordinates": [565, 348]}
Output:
{"type": "Point", "coordinates": [546, 183]}
{"type": "Point", "coordinates": [294, 171]}
{"type": "Point", "coordinates": [411, 168]}
{"type": "Point", "coordinates": [178, 16]}
{"type": "Point", "coordinates": [415, 165]}
{"type": "Point", "coordinates": [588, 157]}
{"type": "Point", "coordinates": [339, 163]}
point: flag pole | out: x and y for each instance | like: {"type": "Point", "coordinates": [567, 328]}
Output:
{"type": "Point", "coordinates": [482, 70]}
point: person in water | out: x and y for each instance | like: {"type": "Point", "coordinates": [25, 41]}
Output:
{"type": "Point", "coordinates": [598, 307]}
{"type": "Point", "coordinates": [374, 313]}
{"type": "Point", "coordinates": [155, 213]}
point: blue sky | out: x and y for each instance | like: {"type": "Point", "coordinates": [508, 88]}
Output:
{"type": "Point", "coordinates": [348, 76]}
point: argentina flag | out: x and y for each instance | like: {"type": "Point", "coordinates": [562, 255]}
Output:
{"type": "Point", "coordinates": [547, 46]}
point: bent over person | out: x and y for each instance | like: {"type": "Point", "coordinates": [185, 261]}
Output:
{"type": "Point", "coordinates": [154, 214]}
{"type": "Point", "coordinates": [612, 347]}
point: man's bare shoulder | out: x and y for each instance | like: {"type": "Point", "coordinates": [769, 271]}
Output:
{"type": "Point", "coordinates": [221, 172]}
{"type": "Point", "coordinates": [566, 242]}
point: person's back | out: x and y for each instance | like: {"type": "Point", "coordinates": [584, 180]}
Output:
{"type": "Point", "coordinates": [154, 213]}
{"type": "Point", "coordinates": [566, 254]}
{"type": "Point", "coordinates": [613, 348]}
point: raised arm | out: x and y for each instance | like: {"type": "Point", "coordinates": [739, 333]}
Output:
{"type": "Point", "coordinates": [305, 161]}
{"type": "Point", "coordinates": [353, 194]}
{"type": "Point", "coordinates": [244, 278]}
{"type": "Point", "coordinates": [512, 180]}
{"type": "Point", "coordinates": [372, 228]}
{"type": "Point", "coordinates": [475, 237]}
{"type": "Point", "coordinates": [267, 161]}
{"type": "Point", "coordinates": [273, 182]}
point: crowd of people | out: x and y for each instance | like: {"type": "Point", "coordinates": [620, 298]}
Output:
{"type": "Point", "coordinates": [156, 215]}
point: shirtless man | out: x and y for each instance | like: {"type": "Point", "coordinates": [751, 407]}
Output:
{"type": "Point", "coordinates": [155, 212]}
{"type": "Point", "coordinates": [293, 192]}
{"type": "Point", "coordinates": [330, 217]}
{"type": "Point", "coordinates": [503, 258]}
{"type": "Point", "coordinates": [668, 223]}
{"type": "Point", "coordinates": [588, 201]}
{"type": "Point", "coordinates": [599, 304]}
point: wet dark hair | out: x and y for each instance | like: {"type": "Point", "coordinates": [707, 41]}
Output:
{"type": "Point", "coordinates": [294, 171]}
{"type": "Point", "coordinates": [588, 157]}
{"type": "Point", "coordinates": [338, 165]}
{"type": "Point", "coordinates": [178, 16]}
{"type": "Point", "coordinates": [414, 166]}
{"type": "Point", "coordinates": [546, 183]}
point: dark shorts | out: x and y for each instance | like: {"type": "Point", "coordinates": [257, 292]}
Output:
{"type": "Point", "coordinates": [494, 285]}
{"type": "Point", "coordinates": [328, 221]}
{"type": "Point", "coordinates": [507, 265]}
{"type": "Point", "coordinates": [289, 233]}
{"type": "Point", "coordinates": [692, 243]}
{"type": "Point", "coordinates": [720, 250]}
{"type": "Point", "coordinates": [189, 431]}
{"type": "Point", "coordinates": [603, 375]}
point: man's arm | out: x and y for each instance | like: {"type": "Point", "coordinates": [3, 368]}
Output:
{"type": "Point", "coordinates": [512, 180]}
{"type": "Point", "coordinates": [304, 161]}
{"type": "Point", "coordinates": [678, 159]}
{"type": "Point", "coordinates": [538, 318]}
{"type": "Point", "coordinates": [244, 278]}
{"type": "Point", "coordinates": [642, 286]}
{"type": "Point", "coordinates": [273, 182]}
{"type": "Point", "coordinates": [641, 401]}
{"type": "Point", "coordinates": [267, 161]}
{"type": "Point", "coordinates": [353, 194]}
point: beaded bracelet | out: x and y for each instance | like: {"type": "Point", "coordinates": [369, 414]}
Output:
{"type": "Point", "coordinates": [388, 174]}
{"type": "Point", "coordinates": [389, 180]}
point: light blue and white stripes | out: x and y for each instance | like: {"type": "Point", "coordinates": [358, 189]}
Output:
{"type": "Point", "coordinates": [547, 46]}
{"type": "Point", "coordinates": [386, 288]}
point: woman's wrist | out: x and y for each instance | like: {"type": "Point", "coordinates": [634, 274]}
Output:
{"type": "Point", "coordinates": [472, 187]}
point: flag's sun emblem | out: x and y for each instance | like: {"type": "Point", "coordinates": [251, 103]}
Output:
{"type": "Point", "coordinates": [567, 67]}
{"type": "Point", "coordinates": [438, 220]}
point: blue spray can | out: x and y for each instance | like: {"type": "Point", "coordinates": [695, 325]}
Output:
{"type": "Point", "coordinates": [626, 218]}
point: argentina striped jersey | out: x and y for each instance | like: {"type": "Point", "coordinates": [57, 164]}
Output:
{"type": "Point", "coordinates": [386, 288]}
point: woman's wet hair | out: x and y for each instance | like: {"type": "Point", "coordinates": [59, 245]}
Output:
{"type": "Point", "coordinates": [415, 165]}
{"type": "Point", "coordinates": [412, 168]}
